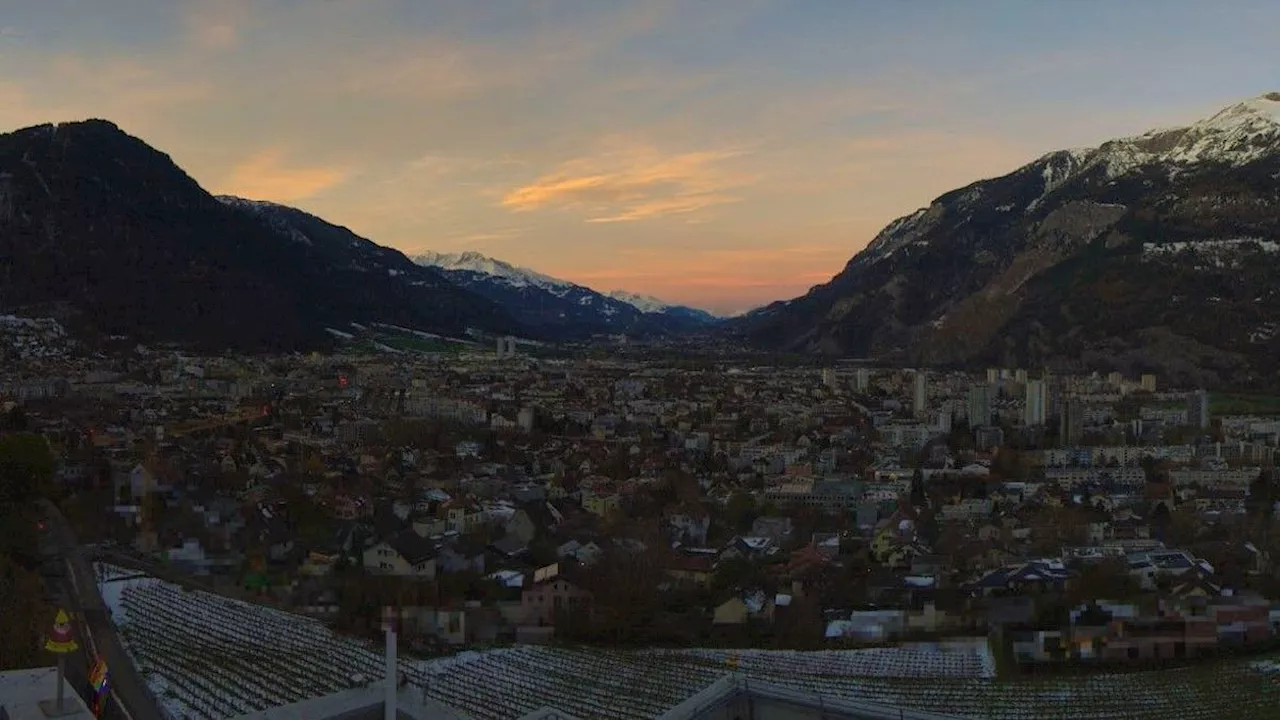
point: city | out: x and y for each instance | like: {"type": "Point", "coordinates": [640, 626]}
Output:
{"type": "Point", "coordinates": [517, 509]}
{"type": "Point", "coordinates": [639, 360]}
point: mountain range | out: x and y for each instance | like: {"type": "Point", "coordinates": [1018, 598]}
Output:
{"type": "Point", "coordinates": [1155, 252]}
{"type": "Point", "coordinates": [107, 234]}
{"type": "Point", "coordinates": [558, 308]}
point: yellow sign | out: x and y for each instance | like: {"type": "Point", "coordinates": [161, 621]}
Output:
{"type": "Point", "coordinates": [61, 639]}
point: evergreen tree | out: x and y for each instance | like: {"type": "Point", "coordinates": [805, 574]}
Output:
{"type": "Point", "coordinates": [918, 497]}
{"type": "Point", "coordinates": [1262, 496]}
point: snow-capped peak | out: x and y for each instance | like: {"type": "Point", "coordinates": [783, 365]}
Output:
{"type": "Point", "coordinates": [1264, 108]}
{"type": "Point", "coordinates": [1235, 135]}
{"type": "Point", "coordinates": [475, 262]}
{"type": "Point", "coordinates": [643, 303]}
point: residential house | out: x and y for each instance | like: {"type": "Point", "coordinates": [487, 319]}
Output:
{"type": "Point", "coordinates": [738, 610]}
{"type": "Point", "coordinates": [694, 569]}
{"type": "Point", "coordinates": [407, 554]}
{"type": "Point", "coordinates": [605, 505]}
{"type": "Point", "coordinates": [690, 525]}
{"type": "Point", "coordinates": [465, 517]}
{"type": "Point", "coordinates": [1021, 578]}
{"type": "Point", "coordinates": [777, 529]}
{"type": "Point", "coordinates": [521, 527]}
{"type": "Point", "coordinates": [548, 592]}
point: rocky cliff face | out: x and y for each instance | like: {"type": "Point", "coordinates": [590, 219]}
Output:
{"type": "Point", "coordinates": [1157, 251]}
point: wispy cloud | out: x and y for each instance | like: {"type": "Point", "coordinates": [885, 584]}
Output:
{"type": "Point", "coordinates": [633, 182]}
{"type": "Point", "coordinates": [266, 176]}
{"type": "Point", "coordinates": [215, 24]}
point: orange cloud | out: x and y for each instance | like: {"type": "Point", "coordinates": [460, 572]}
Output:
{"type": "Point", "coordinates": [633, 182]}
{"type": "Point", "coordinates": [265, 177]}
{"type": "Point", "coordinates": [215, 24]}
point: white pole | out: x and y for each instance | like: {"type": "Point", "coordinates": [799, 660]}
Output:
{"type": "Point", "coordinates": [62, 673]}
{"type": "Point", "coordinates": [389, 703]}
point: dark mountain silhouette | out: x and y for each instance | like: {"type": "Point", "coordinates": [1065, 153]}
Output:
{"type": "Point", "coordinates": [109, 233]}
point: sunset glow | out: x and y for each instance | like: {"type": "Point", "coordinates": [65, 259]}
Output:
{"type": "Point", "coordinates": [720, 154]}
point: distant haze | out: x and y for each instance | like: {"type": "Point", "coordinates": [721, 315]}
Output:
{"type": "Point", "coordinates": [715, 153]}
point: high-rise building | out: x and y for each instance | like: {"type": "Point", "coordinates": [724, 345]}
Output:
{"type": "Point", "coordinates": [525, 418]}
{"type": "Point", "coordinates": [1115, 379]}
{"type": "Point", "coordinates": [1198, 409]}
{"type": "Point", "coordinates": [979, 405]}
{"type": "Point", "coordinates": [502, 347]}
{"type": "Point", "coordinates": [993, 376]}
{"type": "Point", "coordinates": [1037, 403]}
{"type": "Point", "coordinates": [829, 378]}
{"type": "Point", "coordinates": [1020, 376]}
{"type": "Point", "coordinates": [862, 379]}
{"type": "Point", "coordinates": [1071, 425]}
{"type": "Point", "coordinates": [1149, 382]}
{"type": "Point", "coordinates": [920, 396]}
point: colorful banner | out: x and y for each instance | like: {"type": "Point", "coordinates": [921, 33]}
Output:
{"type": "Point", "coordinates": [100, 681]}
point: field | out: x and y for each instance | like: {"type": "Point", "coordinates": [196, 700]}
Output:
{"type": "Point", "coordinates": [210, 657]}
{"type": "Point", "coordinates": [1238, 404]}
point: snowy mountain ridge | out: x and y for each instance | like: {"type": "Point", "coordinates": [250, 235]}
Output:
{"type": "Point", "coordinates": [643, 303]}
{"type": "Point", "coordinates": [520, 276]}
{"type": "Point", "coordinates": [1232, 137]}
{"type": "Point", "coordinates": [475, 262]}
{"type": "Point", "coordinates": [565, 307]}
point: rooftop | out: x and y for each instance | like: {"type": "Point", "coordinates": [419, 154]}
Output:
{"type": "Point", "coordinates": [22, 691]}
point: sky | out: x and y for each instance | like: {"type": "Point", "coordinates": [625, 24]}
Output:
{"type": "Point", "coordinates": [717, 153]}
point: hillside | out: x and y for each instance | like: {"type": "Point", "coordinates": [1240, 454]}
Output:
{"type": "Point", "coordinates": [1155, 252]}
{"type": "Point", "coordinates": [108, 234]}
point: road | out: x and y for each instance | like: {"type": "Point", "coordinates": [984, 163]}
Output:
{"type": "Point", "coordinates": [132, 697]}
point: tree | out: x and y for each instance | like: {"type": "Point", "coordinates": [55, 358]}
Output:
{"type": "Point", "coordinates": [1106, 580]}
{"type": "Point", "coordinates": [26, 467]}
{"type": "Point", "coordinates": [918, 499]}
{"type": "Point", "coordinates": [929, 529]}
{"type": "Point", "coordinates": [740, 512]}
{"type": "Point", "coordinates": [25, 617]}
{"type": "Point", "coordinates": [14, 421]}
{"type": "Point", "coordinates": [1261, 501]}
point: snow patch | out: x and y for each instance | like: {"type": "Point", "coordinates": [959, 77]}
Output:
{"type": "Point", "coordinates": [643, 303]}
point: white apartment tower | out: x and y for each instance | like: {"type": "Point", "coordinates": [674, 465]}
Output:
{"type": "Point", "coordinates": [1036, 409]}
{"type": "Point", "coordinates": [829, 378]}
{"type": "Point", "coordinates": [1198, 409]}
{"type": "Point", "coordinates": [920, 396]}
{"type": "Point", "coordinates": [862, 379]}
{"type": "Point", "coordinates": [979, 405]}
